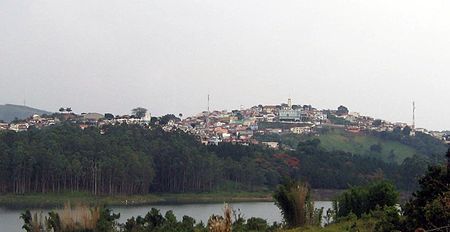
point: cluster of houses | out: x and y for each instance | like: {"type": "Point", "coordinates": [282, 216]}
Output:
{"type": "Point", "coordinates": [83, 120]}
{"type": "Point", "coordinates": [241, 126]}
{"type": "Point", "coordinates": [35, 121]}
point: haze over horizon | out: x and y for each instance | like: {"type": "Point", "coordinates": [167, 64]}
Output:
{"type": "Point", "coordinates": [375, 57]}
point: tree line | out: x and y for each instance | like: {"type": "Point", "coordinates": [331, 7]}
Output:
{"type": "Point", "coordinates": [129, 159]}
{"type": "Point", "coordinates": [124, 159]}
{"type": "Point", "coordinates": [372, 207]}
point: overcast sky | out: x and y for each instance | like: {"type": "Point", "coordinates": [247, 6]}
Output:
{"type": "Point", "coordinates": [375, 57]}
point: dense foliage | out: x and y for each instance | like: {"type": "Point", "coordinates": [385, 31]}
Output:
{"type": "Point", "coordinates": [156, 222]}
{"type": "Point", "coordinates": [364, 199]}
{"type": "Point", "coordinates": [124, 159]}
{"type": "Point", "coordinates": [339, 170]}
{"type": "Point", "coordinates": [424, 143]}
{"type": "Point", "coordinates": [129, 159]}
{"type": "Point", "coordinates": [430, 206]}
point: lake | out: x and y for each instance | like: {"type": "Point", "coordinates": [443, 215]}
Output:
{"type": "Point", "coordinates": [9, 219]}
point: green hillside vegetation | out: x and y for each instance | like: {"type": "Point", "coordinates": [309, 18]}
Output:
{"type": "Point", "coordinates": [9, 112]}
{"type": "Point", "coordinates": [358, 143]}
{"type": "Point", "coordinates": [390, 151]}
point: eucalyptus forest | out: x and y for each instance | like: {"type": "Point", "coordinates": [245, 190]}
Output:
{"type": "Point", "coordinates": [130, 159]}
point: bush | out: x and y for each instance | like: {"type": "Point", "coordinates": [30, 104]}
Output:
{"type": "Point", "coordinates": [430, 206]}
{"type": "Point", "coordinates": [362, 200]}
{"type": "Point", "coordinates": [257, 224]}
{"type": "Point", "coordinates": [389, 219]}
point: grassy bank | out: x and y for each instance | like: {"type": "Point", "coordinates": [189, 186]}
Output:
{"type": "Point", "coordinates": [55, 200]}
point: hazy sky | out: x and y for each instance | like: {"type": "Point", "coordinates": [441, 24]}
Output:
{"type": "Point", "coordinates": [375, 57]}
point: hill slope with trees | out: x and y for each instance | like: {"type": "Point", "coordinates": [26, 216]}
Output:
{"type": "Point", "coordinates": [129, 159]}
{"type": "Point", "coordinates": [392, 147]}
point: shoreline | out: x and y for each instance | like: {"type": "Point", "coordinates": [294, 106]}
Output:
{"type": "Point", "coordinates": [49, 200]}
{"type": "Point", "coordinates": [54, 200]}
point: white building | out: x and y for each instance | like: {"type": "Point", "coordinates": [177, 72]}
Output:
{"type": "Point", "coordinates": [290, 115]}
{"type": "Point", "coordinates": [301, 130]}
{"type": "Point", "coordinates": [19, 127]}
{"type": "Point", "coordinates": [147, 117]}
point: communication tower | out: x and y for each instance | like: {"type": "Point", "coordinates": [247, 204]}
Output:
{"type": "Point", "coordinates": [413, 129]}
{"type": "Point", "coordinates": [207, 115]}
{"type": "Point", "coordinates": [414, 116]}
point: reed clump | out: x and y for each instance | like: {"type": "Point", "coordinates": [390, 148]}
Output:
{"type": "Point", "coordinates": [293, 199]}
{"type": "Point", "coordinates": [68, 219]}
{"type": "Point", "coordinates": [218, 223]}
{"type": "Point", "coordinates": [78, 218]}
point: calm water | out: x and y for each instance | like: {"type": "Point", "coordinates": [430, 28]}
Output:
{"type": "Point", "coordinates": [10, 222]}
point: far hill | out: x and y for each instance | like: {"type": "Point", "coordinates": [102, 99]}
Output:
{"type": "Point", "coordinates": [9, 112]}
{"type": "Point", "coordinates": [388, 147]}
{"type": "Point", "coordinates": [366, 144]}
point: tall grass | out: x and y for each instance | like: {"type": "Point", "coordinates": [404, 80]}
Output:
{"type": "Point", "coordinates": [298, 195]}
{"type": "Point", "coordinates": [38, 222]}
{"type": "Point", "coordinates": [221, 224]}
{"type": "Point", "coordinates": [68, 219]}
{"type": "Point", "coordinates": [293, 199]}
{"type": "Point", "coordinates": [34, 222]}
{"type": "Point", "coordinates": [77, 218]}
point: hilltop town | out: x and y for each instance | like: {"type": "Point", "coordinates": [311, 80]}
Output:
{"type": "Point", "coordinates": [237, 126]}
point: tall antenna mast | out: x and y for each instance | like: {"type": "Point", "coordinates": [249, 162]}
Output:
{"type": "Point", "coordinates": [208, 104]}
{"type": "Point", "coordinates": [414, 116]}
{"type": "Point", "coordinates": [207, 116]}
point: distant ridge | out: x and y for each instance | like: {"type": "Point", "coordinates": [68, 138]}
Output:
{"type": "Point", "coordinates": [9, 112]}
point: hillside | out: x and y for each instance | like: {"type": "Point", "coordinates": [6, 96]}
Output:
{"type": "Point", "coordinates": [134, 160]}
{"type": "Point", "coordinates": [388, 150]}
{"type": "Point", "coordinates": [9, 112]}
{"type": "Point", "coordinates": [391, 151]}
